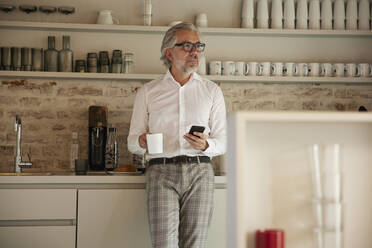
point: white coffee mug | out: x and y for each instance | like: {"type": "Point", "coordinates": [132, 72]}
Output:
{"type": "Point", "coordinates": [253, 68]}
{"type": "Point", "coordinates": [277, 69]}
{"type": "Point", "coordinates": [105, 17]}
{"type": "Point", "coordinates": [154, 143]}
{"type": "Point", "coordinates": [289, 69]}
{"type": "Point", "coordinates": [201, 20]}
{"type": "Point", "coordinates": [302, 69]}
{"type": "Point", "coordinates": [326, 15]}
{"type": "Point", "coordinates": [352, 70]}
{"type": "Point", "coordinates": [314, 69]}
{"type": "Point", "coordinates": [215, 68]}
{"type": "Point", "coordinates": [365, 70]}
{"type": "Point", "coordinates": [339, 69]}
{"type": "Point", "coordinates": [228, 68]}
{"type": "Point", "coordinates": [264, 69]}
{"type": "Point", "coordinates": [202, 69]}
{"type": "Point", "coordinates": [326, 70]}
{"type": "Point", "coordinates": [241, 68]}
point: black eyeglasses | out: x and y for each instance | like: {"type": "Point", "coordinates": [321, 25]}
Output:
{"type": "Point", "coordinates": [188, 46]}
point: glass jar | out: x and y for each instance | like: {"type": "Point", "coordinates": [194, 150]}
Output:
{"type": "Point", "coordinates": [128, 65]}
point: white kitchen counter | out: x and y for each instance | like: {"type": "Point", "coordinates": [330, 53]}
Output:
{"type": "Point", "coordinates": [83, 182]}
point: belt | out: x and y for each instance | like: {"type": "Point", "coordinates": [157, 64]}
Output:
{"type": "Point", "coordinates": [180, 159]}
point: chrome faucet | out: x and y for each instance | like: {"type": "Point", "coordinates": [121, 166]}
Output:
{"type": "Point", "coordinates": [18, 164]}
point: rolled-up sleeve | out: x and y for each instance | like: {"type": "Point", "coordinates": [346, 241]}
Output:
{"type": "Point", "coordinates": [139, 122]}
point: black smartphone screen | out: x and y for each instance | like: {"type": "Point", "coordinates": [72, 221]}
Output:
{"type": "Point", "coordinates": [199, 129]}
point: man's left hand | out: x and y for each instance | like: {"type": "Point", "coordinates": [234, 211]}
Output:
{"type": "Point", "coordinates": [198, 142]}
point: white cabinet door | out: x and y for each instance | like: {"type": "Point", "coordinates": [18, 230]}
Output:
{"type": "Point", "coordinates": [37, 236]}
{"type": "Point", "coordinates": [217, 230]}
{"type": "Point", "coordinates": [118, 218]}
{"type": "Point", "coordinates": [112, 218]}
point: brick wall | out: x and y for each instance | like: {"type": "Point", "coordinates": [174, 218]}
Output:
{"type": "Point", "coordinates": [52, 109]}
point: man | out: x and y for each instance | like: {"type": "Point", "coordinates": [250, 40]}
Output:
{"type": "Point", "coordinates": [180, 181]}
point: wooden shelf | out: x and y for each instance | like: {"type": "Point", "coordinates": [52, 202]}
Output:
{"type": "Point", "coordinates": [76, 27]}
{"type": "Point", "coordinates": [215, 78]}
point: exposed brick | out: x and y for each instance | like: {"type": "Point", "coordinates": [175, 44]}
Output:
{"type": "Point", "coordinates": [310, 105]}
{"type": "Point", "coordinates": [7, 100]}
{"type": "Point", "coordinates": [58, 127]}
{"type": "Point", "coordinates": [265, 105]}
{"type": "Point", "coordinates": [30, 101]}
{"type": "Point", "coordinates": [75, 91]}
{"type": "Point", "coordinates": [77, 103]}
{"type": "Point", "coordinates": [360, 92]}
{"type": "Point", "coordinates": [6, 151]}
{"type": "Point", "coordinates": [24, 86]}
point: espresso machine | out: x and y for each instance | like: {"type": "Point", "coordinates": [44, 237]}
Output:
{"type": "Point", "coordinates": [97, 137]}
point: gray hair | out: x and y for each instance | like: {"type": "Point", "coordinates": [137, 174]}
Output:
{"type": "Point", "coordinates": [170, 39]}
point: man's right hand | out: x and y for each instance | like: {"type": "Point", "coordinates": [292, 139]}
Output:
{"type": "Point", "coordinates": [143, 141]}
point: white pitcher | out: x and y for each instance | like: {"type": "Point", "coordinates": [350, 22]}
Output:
{"type": "Point", "coordinates": [105, 17]}
{"type": "Point", "coordinates": [262, 14]}
{"type": "Point", "coordinates": [364, 16]}
{"type": "Point", "coordinates": [289, 14]}
{"type": "Point", "coordinates": [314, 14]}
{"type": "Point", "coordinates": [339, 15]}
{"type": "Point", "coordinates": [248, 14]}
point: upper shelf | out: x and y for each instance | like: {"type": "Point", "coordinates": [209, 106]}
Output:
{"type": "Point", "coordinates": [215, 78]}
{"type": "Point", "coordinates": [75, 27]}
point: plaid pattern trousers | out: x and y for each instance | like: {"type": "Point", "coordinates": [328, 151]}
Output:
{"type": "Point", "coordinates": [180, 204]}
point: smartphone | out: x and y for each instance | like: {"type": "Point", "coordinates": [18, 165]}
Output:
{"type": "Point", "coordinates": [199, 129]}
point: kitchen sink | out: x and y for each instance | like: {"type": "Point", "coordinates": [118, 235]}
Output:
{"type": "Point", "coordinates": [25, 173]}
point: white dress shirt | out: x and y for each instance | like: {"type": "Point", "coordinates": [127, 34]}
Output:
{"type": "Point", "coordinates": [164, 106]}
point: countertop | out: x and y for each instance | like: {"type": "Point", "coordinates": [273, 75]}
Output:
{"type": "Point", "coordinates": [83, 181]}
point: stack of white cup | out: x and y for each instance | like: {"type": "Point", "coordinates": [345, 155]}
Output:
{"type": "Point", "coordinates": [307, 14]}
{"type": "Point", "coordinates": [327, 205]}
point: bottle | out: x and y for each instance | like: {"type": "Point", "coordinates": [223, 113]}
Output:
{"type": "Point", "coordinates": [51, 55]}
{"type": "Point", "coordinates": [111, 153]}
{"type": "Point", "coordinates": [65, 56]}
{"type": "Point", "coordinates": [74, 150]}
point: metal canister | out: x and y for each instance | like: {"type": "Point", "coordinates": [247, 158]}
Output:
{"type": "Point", "coordinates": [6, 58]}
{"type": "Point", "coordinates": [37, 59]}
{"type": "Point", "coordinates": [92, 62]}
{"type": "Point", "coordinates": [80, 65]}
{"type": "Point", "coordinates": [16, 58]}
{"type": "Point", "coordinates": [117, 61]}
{"type": "Point", "coordinates": [26, 59]}
{"type": "Point", "coordinates": [104, 62]}
{"type": "Point", "coordinates": [128, 63]}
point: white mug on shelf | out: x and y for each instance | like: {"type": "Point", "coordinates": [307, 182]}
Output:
{"type": "Point", "coordinates": [277, 69]}
{"type": "Point", "coordinates": [241, 68]}
{"type": "Point", "coordinates": [202, 68]}
{"type": "Point", "coordinates": [352, 70]}
{"type": "Point", "coordinates": [302, 14]}
{"type": "Point", "coordinates": [228, 68]}
{"type": "Point", "coordinates": [264, 69]}
{"type": "Point", "coordinates": [276, 14]}
{"type": "Point", "coordinates": [314, 69]}
{"type": "Point", "coordinates": [253, 68]}
{"type": "Point", "coordinates": [248, 14]}
{"type": "Point", "coordinates": [326, 70]}
{"type": "Point", "coordinates": [215, 68]}
{"type": "Point", "coordinates": [105, 17]}
{"type": "Point", "coordinates": [339, 15]}
{"type": "Point", "coordinates": [302, 69]}
{"type": "Point", "coordinates": [339, 69]}
{"type": "Point", "coordinates": [314, 14]}
{"type": "Point", "coordinates": [365, 70]}
{"type": "Point", "coordinates": [351, 14]}
{"type": "Point", "coordinates": [201, 20]}
{"type": "Point", "coordinates": [364, 15]}
{"type": "Point", "coordinates": [326, 15]}
{"type": "Point", "coordinates": [289, 69]}
{"type": "Point", "coordinates": [289, 14]}
{"type": "Point", "coordinates": [262, 14]}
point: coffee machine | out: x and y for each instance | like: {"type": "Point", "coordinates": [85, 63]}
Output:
{"type": "Point", "coordinates": [97, 137]}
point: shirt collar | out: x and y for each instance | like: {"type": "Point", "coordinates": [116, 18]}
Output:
{"type": "Point", "coordinates": [194, 76]}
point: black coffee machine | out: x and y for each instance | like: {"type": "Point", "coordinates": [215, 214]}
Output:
{"type": "Point", "coordinates": [97, 137]}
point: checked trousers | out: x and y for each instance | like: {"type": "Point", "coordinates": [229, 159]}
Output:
{"type": "Point", "coordinates": [180, 204]}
